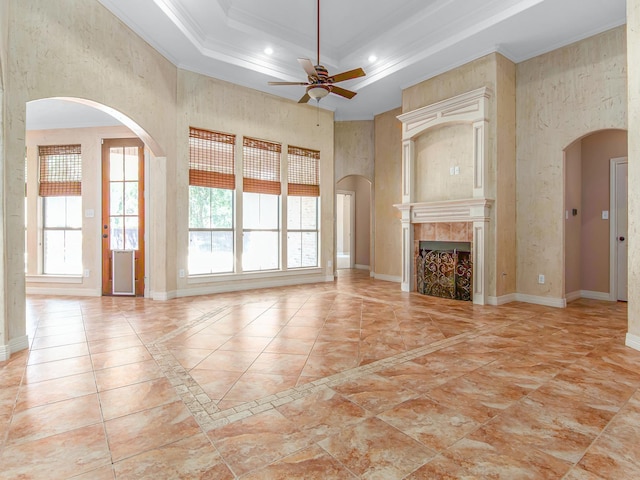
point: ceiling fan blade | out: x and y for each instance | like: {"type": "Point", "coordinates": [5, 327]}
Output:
{"type": "Point", "coordinates": [308, 67]}
{"type": "Point", "coordinates": [288, 83]}
{"type": "Point", "coordinates": [343, 92]}
{"type": "Point", "coordinates": [341, 77]}
{"type": "Point", "coordinates": [305, 98]}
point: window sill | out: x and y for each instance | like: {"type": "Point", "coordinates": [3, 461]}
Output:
{"type": "Point", "coordinates": [53, 279]}
{"type": "Point", "coordinates": [225, 277]}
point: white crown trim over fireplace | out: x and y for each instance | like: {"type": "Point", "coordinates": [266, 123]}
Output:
{"type": "Point", "coordinates": [470, 107]}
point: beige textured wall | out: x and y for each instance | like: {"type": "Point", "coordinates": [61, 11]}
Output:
{"type": "Point", "coordinates": [437, 151]}
{"type": "Point", "coordinates": [572, 224]}
{"type": "Point", "coordinates": [362, 188]}
{"type": "Point", "coordinates": [212, 104]}
{"type": "Point", "coordinates": [354, 148]}
{"type": "Point", "coordinates": [597, 150]}
{"type": "Point", "coordinates": [633, 66]}
{"type": "Point", "coordinates": [388, 181]}
{"type": "Point", "coordinates": [505, 175]}
{"type": "Point", "coordinates": [561, 96]}
{"type": "Point", "coordinates": [91, 148]}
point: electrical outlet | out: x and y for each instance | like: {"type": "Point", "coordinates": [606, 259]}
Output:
{"type": "Point", "coordinates": [181, 273]}
{"type": "Point", "coordinates": [86, 272]}
{"type": "Point", "coordinates": [541, 279]}
{"type": "Point", "coordinates": [456, 170]}
{"type": "Point", "coordinates": [452, 170]}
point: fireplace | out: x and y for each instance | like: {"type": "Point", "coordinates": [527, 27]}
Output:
{"type": "Point", "coordinates": [444, 269]}
{"type": "Point", "coordinates": [475, 211]}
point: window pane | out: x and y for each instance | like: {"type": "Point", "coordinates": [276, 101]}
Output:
{"type": "Point", "coordinates": [116, 234]}
{"type": "Point", "coordinates": [116, 172]}
{"type": "Point", "coordinates": [260, 251]}
{"type": "Point", "coordinates": [302, 249]}
{"type": "Point", "coordinates": [309, 249]}
{"type": "Point", "coordinates": [131, 233]}
{"type": "Point", "coordinates": [74, 212]}
{"type": "Point", "coordinates": [54, 212]}
{"type": "Point", "coordinates": [294, 249]}
{"type": "Point", "coordinates": [199, 207]}
{"type": "Point", "coordinates": [53, 248]}
{"type": "Point", "coordinates": [130, 163]}
{"type": "Point", "coordinates": [62, 252]}
{"type": "Point", "coordinates": [199, 252]}
{"type": "Point", "coordinates": [309, 213]}
{"type": "Point", "coordinates": [131, 198]}
{"type": "Point", "coordinates": [260, 211]}
{"type": "Point", "coordinates": [221, 208]}
{"type": "Point", "coordinates": [210, 252]}
{"type": "Point", "coordinates": [117, 198]}
{"type": "Point", "coordinates": [293, 213]}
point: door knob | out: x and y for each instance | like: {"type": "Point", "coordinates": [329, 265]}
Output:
{"type": "Point", "coordinates": [104, 235]}
{"type": "Point", "coordinates": [621, 239]}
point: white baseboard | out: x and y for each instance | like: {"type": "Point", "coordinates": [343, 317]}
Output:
{"type": "Point", "coordinates": [595, 295]}
{"type": "Point", "coordinates": [632, 341]}
{"type": "Point", "coordinates": [163, 296]}
{"type": "Point", "coordinates": [387, 278]}
{"type": "Point", "coordinates": [501, 300]}
{"type": "Point", "coordinates": [537, 300]}
{"type": "Point", "coordinates": [570, 297]}
{"type": "Point", "coordinates": [14, 345]}
{"type": "Point", "coordinates": [64, 291]}
{"type": "Point", "coordinates": [239, 284]}
{"type": "Point", "coordinates": [361, 267]}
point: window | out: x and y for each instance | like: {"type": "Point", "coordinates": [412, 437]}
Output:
{"type": "Point", "coordinates": [261, 205]}
{"type": "Point", "coordinates": [212, 183]}
{"type": "Point", "coordinates": [60, 186]}
{"type": "Point", "coordinates": [302, 207]}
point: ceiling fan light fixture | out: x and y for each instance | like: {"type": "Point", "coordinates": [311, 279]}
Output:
{"type": "Point", "coordinates": [318, 92]}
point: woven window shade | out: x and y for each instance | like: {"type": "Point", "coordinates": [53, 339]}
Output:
{"type": "Point", "coordinates": [211, 159]}
{"type": "Point", "coordinates": [60, 170]}
{"type": "Point", "coordinates": [304, 172]}
{"type": "Point", "coordinates": [261, 166]}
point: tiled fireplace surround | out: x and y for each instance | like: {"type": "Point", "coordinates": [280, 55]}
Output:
{"type": "Point", "coordinates": [439, 232]}
{"type": "Point", "coordinates": [455, 219]}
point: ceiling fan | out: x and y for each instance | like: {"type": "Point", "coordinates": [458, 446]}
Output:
{"type": "Point", "coordinates": [319, 83]}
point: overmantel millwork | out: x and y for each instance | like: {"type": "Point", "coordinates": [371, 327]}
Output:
{"type": "Point", "coordinates": [468, 107]}
{"type": "Point", "coordinates": [471, 107]}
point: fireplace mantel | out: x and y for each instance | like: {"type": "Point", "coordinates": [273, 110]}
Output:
{"type": "Point", "coordinates": [466, 210]}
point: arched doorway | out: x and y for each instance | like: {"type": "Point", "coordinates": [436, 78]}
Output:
{"type": "Point", "coordinates": [590, 210]}
{"type": "Point", "coordinates": [77, 230]}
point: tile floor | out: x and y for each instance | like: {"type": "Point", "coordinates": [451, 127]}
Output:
{"type": "Point", "coordinates": [352, 379]}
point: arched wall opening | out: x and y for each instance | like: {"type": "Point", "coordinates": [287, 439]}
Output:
{"type": "Point", "coordinates": [587, 213]}
{"type": "Point", "coordinates": [77, 121]}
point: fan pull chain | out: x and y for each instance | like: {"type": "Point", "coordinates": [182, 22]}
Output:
{"type": "Point", "coordinates": [318, 113]}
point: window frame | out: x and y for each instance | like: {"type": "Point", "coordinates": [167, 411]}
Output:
{"type": "Point", "coordinates": [303, 178]}
{"type": "Point", "coordinates": [62, 178]}
{"type": "Point", "coordinates": [212, 166]}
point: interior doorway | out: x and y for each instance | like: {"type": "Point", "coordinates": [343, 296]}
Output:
{"type": "Point", "coordinates": [618, 226]}
{"type": "Point", "coordinates": [345, 229]}
{"type": "Point", "coordinates": [123, 217]}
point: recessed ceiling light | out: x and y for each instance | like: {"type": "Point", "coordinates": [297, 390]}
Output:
{"type": "Point", "coordinates": [372, 58]}
{"type": "Point", "coordinates": [268, 50]}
